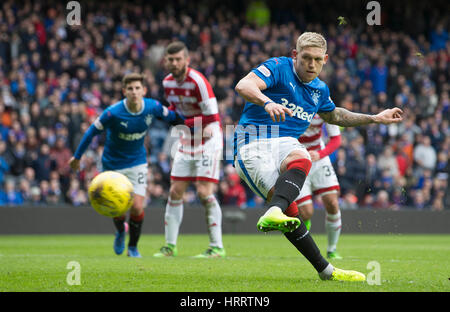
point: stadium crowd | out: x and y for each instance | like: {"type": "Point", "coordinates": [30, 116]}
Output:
{"type": "Point", "coordinates": [56, 79]}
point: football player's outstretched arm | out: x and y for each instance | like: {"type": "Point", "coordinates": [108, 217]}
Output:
{"type": "Point", "coordinates": [92, 131]}
{"type": "Point", "coordinates": [345, 118]}
{"type": "Point", "coordinates": [168, 115]}
{"type": "Point", "coordinates": [250, 88]}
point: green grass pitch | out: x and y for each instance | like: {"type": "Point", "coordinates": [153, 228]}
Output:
{"type": "Point", "coordinates": [255, 263]}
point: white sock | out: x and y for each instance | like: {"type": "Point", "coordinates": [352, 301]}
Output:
{"type": "Point", "coordinates": [272, 209]}
{"type": "Point", "coordinates": [326, 273]}
{"type": "Point", "coordinates": [172, 220]}
{"type": "Point", "coordinates": [333, 226]}
{"type": "Point", "coordinates": [214, 220]}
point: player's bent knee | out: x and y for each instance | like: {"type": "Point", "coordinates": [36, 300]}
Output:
{"type": "Point", "coordinates": [138, 205]}
{"type": "Point", "coordinates": [306, 211]}
{"type": "Point", "coordinates": [176, 191]}
{"type": "Point", "coordinates": [294, 156]}
{"type": "Point", "coordinates": [204, 189]}
{"type": "Point", "coordinates": [331, 203]}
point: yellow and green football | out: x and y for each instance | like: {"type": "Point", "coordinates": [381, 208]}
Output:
{"type": "Point", "coordinates": [111, 194]}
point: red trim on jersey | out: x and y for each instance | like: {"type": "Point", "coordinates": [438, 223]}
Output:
{"type": "Point", "coordinates": [327, 189]}
{"type": "Point", "coordinates": [332, 145]}
{"type": "Point", "coordinates": [208, 85]}
{"type": "Point", "coordinates": [202, 92]}
{"type": "Point", "coordinates": [309, 139]}
{"type": "Point", "coordinates": [303, 199]}
{"type": "Point", "coordinates": [193, 179]}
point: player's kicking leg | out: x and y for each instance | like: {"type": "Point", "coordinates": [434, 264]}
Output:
{"type": "Point", "coordinates": [213, 211]}
{"type": "Point", "coordinates": [122, 229]}
{"type": "Point", "coordinates": [172, 218]}
{"type": "Point", "coordinates": [295, 165]}
{"type": "Point", "coordinates": [135, 223]}
{"type": "Point", "coordinates": [304, 243]}
{"type": "Point", "coordinates": [138, 177]}
{"type": "Point", "coordinates": [333, 223]}
{"type": "Point", "coordinates": [288, 185]}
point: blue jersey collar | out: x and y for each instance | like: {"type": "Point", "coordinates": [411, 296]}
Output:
{"type": "Point", "coordinates": [126, 107]}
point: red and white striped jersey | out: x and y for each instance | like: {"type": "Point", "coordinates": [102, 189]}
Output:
{"type": "Point", "coordinates": [193, 97]}
{"type": "Point", "coordinates": [312, 138]}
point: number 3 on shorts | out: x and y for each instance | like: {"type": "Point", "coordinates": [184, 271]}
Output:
{"type": "Point", "coordinates": [327, 170]}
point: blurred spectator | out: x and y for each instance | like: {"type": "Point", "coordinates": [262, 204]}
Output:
{"type": "Point", "coordinates": [424, 154]}
{"type": "Point", "coordinates": [349, 201]}
{"type": "Point", "coordinates": [25, 190]}
{"type": "Point", "coordinates": [4, 166]}
{"type": "Point", "coordinates": [233, 192]}
{"type": "Point", "coordinates": [10, 196]}
{"type": "Point", "coordinates": [157, 196]}
{"type": "Point", "coordinates": [43, 164]}
{"type": "Point", "coordinates": [36, 198]}
{"type": "Point", "coordinates": [372, 175]}
{"type": "Point", "coordinates": [439, 38]}
{"type": "Point", "coordinates": [382, 201]}
{"type": "Point", "coordinates": [54, 195]}
{"type": "Point", "coordinates": [76, 196]}
{"type": "Point", "coordinates": [388, 163]}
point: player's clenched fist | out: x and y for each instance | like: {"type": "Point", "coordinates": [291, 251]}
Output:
{"type": "Point", "coordinates": [277, 111]}
{"type": "Point", "coordinates": [389, 116]}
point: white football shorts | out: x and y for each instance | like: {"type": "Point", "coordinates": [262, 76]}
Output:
{"type": "Point", "coordinates": [138, 177]}
{"type": "Point", "coordinates": [200, 163]}
{"type": "Point", "coordinates": [259, 162]}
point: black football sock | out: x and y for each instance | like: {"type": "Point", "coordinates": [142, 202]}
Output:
{"type": "Point", "coordinates": [302, 240]}
{"type": "Point", "coordinates": [290, 183]}
{"type": "Point", "coordinates": [135, 229]}
{"type": "Point", "coordinates": [119, 223]}
{"type": "Point", "coordinates": [287, 188]}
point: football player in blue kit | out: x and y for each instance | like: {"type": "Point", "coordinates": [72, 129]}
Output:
{"type": "Point", "coordinates": [126, 124]}
{"type": "Point", "coordinates": [282, 96]}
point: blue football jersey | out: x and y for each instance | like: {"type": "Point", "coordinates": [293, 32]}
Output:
{"type": "Point", "coordinates": [125, 133]}
{"type": "Point", "coordinates": [283, 87]}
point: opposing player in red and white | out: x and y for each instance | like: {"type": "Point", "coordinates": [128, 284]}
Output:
{"type": "Point", "coordinates": [200, 150]}
{"type": "Point", "coordinates": [322, 181]}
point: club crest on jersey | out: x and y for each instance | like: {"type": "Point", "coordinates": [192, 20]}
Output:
{"type": "Point", "coordinates": [315, 94]}
{"type": "Point", "coordinates": [148, 119]}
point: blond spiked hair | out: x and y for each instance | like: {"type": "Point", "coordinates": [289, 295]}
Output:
{"type": "Point", "coordinates": [311, 39]}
